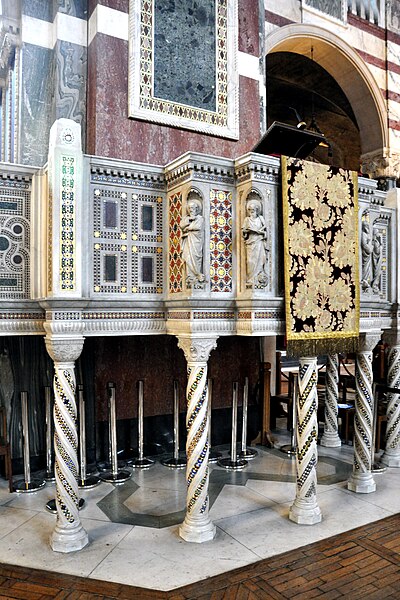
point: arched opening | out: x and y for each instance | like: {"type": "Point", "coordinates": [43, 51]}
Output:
{"type": "Point", "coordinates": [299, 90]}
{"type": "Point", "coordinates": [335, 84]}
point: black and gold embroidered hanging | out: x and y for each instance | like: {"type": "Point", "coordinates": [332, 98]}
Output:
{"type": "Point", "coordinates": [321, 258]}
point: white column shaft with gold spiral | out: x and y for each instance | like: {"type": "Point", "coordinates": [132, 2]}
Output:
{"type": "Point", "coordinates": [391, 456]}
{"type": "Point", "coordinates": [305, 509]}
{"type": "Point", "coordinates": [330, 437]}
{"type": "Point", "coordinates": [68, 535]}
{"type": "Point", "coordinates": [197, 526]}
{"type": "Point", "coordinates": [361, 480]}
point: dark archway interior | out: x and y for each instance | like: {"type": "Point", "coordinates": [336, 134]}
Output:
{"type": "Point", "coordinates": [299, 89]}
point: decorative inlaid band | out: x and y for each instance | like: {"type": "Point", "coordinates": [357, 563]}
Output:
{"type": "Point", "coordinates": [123, 315]}
{"type": "Point", "coordinates": [332, 393]}
{"type": "Point", "coordinates": [65, 444]}
{"type": "Point", "coordinates": [68, 224]}
{"type": "Point", "coordinates": [197, 441]}
{"type": "Point", "coordinates": [363, 415]}
{"type": "Point", "coordinates": [393, 408]}
{"type": "Point", "coordinates": [307, 432]}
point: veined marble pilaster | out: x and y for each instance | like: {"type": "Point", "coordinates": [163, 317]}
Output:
{"type": "Point", "coordinates": [305, 509]}
{"type": "Point", "coordinates": [330, 437]}
{"type": "Point", "coordinates": [68, 535]}
{"type": "Point", "coordinates": [197, 526]}
{"type": "Point", "coordinates": [361, 480]}
{"type": "Point", "coordinates": [391, 456]}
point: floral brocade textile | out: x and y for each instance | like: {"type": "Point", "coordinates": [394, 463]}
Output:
{"type": "Point", "coordinates": [321, 258]}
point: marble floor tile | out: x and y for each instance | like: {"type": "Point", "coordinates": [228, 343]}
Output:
{"type": "Point", "coordinates": [11, 518]}
{"type": "Point", "coordinates": [28, 545]}
{"type": "Point", "coordinates": [233, 500]}
{"type": "Point", "coordinates": [157, 502]}
{"type": "Point", "coordinates": [161, 560]}
{"type": "Point", "coordinates": [33, 500]}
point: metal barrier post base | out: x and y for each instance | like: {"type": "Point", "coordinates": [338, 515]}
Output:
{"type": "Point", "coordinates": [107, 466]}
{"type": "Point", "coordinates": [248, 454]}
{"type": "Point", "coordinates": [52, 507]}
{"type": "Point", "coordinates": [288, 449]}
{"type": "Point", "coordinates": [22, 487]}
{"type": "Point", "coordinates": [49, 476]}
{"type": "Point", "coordinates": [378, 467]}
{"type": "Point", "coordinates": [119, 477]}
{"type": "Point", "coordinates": [90, 482]}
{"type": "Point", "coordinates": [232, 465]}
{"type": "Point", "coordinates": [214, 456]}
{"type": "Point", "coordinates": [142, 463]}
{"type": "Point", "coordinates": [174, 463]}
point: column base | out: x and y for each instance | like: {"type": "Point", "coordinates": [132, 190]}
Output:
{"type": "Point", "coordinates": [361, 483]}
{"type": "Point", "coordinates": [330, 439]}
{"type": "Point", "coordinates": [304, 513]}
{"type": "Point", "coordinates": [197, 532]}
{"type": "Point", "coordinates": [391, 460]}
{"type": "Point", "coordinates": [68, 540]}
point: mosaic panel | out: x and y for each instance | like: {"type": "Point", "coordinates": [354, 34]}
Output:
{"type": "Point", "coordinates": [138, 284]}
{"type": "Point", "coordinates": [102, 197]}
{"type": "Point", "coordinates": [220, 241]}
{"type": "Point", "coordinates": [100, 251]}
{"type": "Point", "coordinates": [197, 97]}
{"type": "Point", "coordinates": [14, 241]}
{"type": "Point", "coordinates": [175, 249]}
{"type": "Point", "coordinates": [67, 229]}
{"type": "Point", "coordinates": [134, 222]}
{"type": "Point", "coordinates": [139, 231]}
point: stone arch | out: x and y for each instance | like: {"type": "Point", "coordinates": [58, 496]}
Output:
{"type": "Point", "coordinates": [343, 63]}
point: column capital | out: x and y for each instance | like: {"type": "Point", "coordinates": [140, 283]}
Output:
{"type": "Point", "coordinates": [66, 349]}
{"type": "Point", "coordinates": [368, 341]}
{"type": "Point", "coordinates": [197, 350]}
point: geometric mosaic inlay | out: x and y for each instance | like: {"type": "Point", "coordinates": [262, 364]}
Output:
{"type": "Point", "coordinates": [67, 267]}
{"type": "Point", "coordinates": [220, 241]}
{"type": "Point", "coordinates": [14, 241]}
{"type": "Point", "coordinates": [175, 250]}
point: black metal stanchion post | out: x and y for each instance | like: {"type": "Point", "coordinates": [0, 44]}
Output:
{"type": "Point", "coordinates": [115, 475]}
{"type": "Point", "coordinates": [175, 462]}
{"type": "Point", "coordinates": [233, 463]}
{"type": "Point", "coordinates": [291, 448]}
{"type": "Point", "coordinates": [246, 452]}
{"type": "Point", "coordinates": [49, 475]}
{"type": "Point", "coordinates": [213, 456]}
{"type": "Point", "coordinates": [27, 484]}
{"type": "Point", "coordinates": [142, 462]}
{"type": "Point", "coordinates": [84, 481]}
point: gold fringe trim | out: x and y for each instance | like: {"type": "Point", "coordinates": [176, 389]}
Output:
{"type": "Point", "coordinates": [317, 347]}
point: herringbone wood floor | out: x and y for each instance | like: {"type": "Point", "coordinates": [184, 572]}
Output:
{"type": "Point", "coordinates": [361, 564]}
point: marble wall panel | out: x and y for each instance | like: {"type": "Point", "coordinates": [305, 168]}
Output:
{"type": "Point", "coordinates": [70, 102]}
{"type": "Point", "coordinates": [183, 30]}
{"type": "Point", "coordinates": [394, 15]}
{"type": "Point", "coordinates": [38, 9]}
{"type": "Point", "coordinates": [248, 27]}
{"type": "Point", "coordinates": [36, 103]}
{"type": "Point", "coordinates": [111, 133]}
{"type": "Point", "coordinates": [122, 5]}
{"type": "Point", "coordinates": [75, 8]}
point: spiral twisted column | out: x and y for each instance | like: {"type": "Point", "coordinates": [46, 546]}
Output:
{"type": "Point", "coordinates": [197, 526]}
{"type": "Point", "coordinates": [68, 535]}
{"type": "Point", "coordinates": [330, 437]}
{"type": "Point", "coordinates": [391, 456]}
{"type": "Point", "coordinates": [361, 479]}
{"type": "Point", "coordinates": [305, 509]}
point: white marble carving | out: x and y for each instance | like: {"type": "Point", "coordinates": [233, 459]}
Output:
{"type": "Point", "coordinates": [192, 226]}
{"type": "Point", "coordinates": [330, 437]}
{"type": "Point", "coordinates": [255, 237]}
